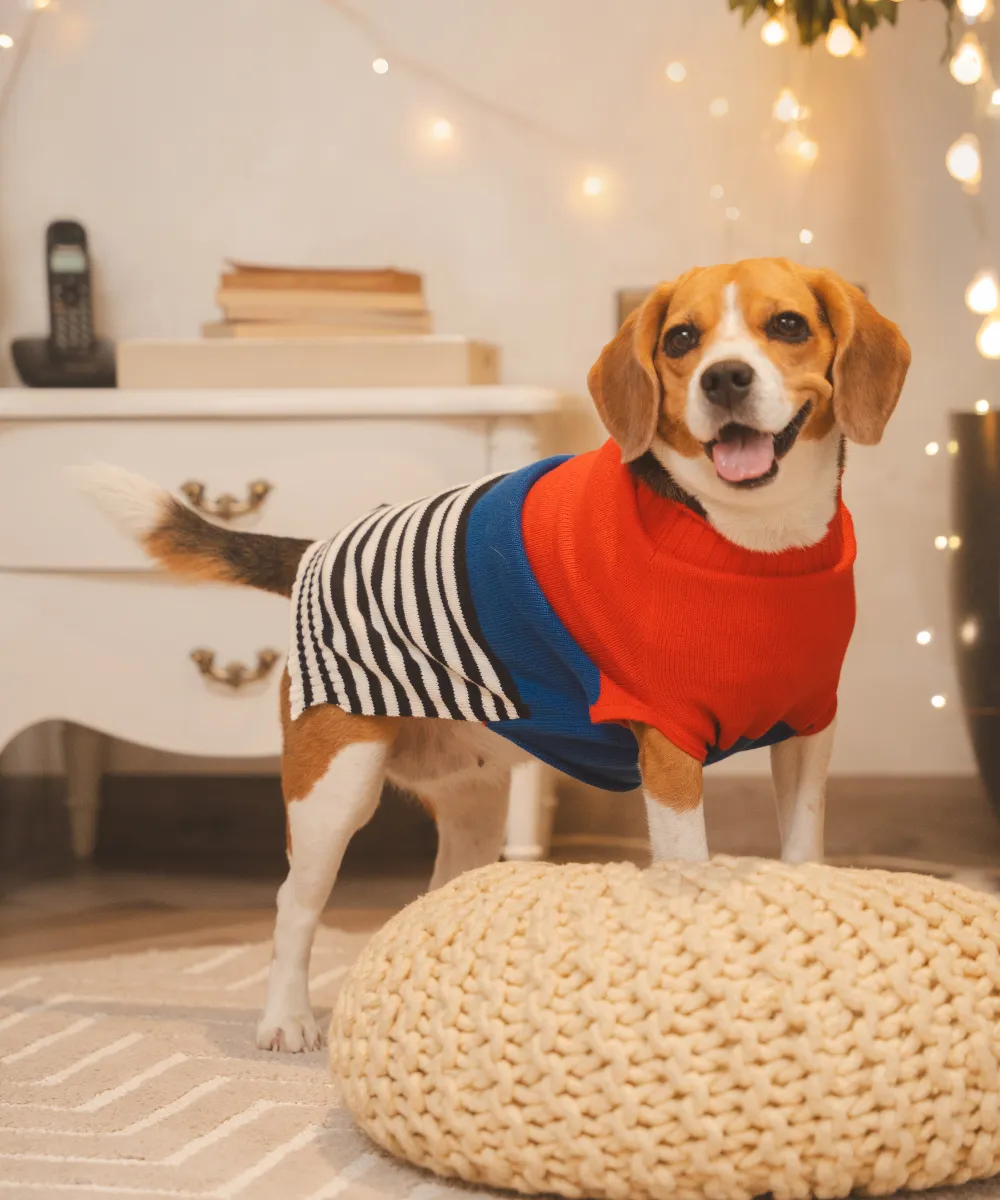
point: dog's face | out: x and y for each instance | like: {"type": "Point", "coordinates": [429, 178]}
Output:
{"type": "Point", "coordinates": [729, 369]}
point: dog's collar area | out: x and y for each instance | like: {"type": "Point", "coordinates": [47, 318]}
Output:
{"type": "Point", "coordinates": [783, 442]}
{"type": "Point", "coordinates": [658, 479]}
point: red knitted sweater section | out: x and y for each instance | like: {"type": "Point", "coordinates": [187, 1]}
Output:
{"type": "Point", "coordinates": [700, 638]}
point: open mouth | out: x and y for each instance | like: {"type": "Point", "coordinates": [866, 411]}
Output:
{"type": "Point", "coordinates": [746, 457]}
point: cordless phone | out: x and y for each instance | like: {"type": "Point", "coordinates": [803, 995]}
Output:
{"type": "Point", "coordinates": [71, 356]}
{"type": "Point", "coordinates": [70, 315]}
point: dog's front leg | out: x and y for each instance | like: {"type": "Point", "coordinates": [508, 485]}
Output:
{"type": "Point", "coordinates": [671, 784]}
{"type": "Point", "coordinates": [799, 769]}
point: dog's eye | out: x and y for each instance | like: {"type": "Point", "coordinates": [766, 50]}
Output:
{"type": "Point", "coordinates": [679, 340]}
{"type": "Point", "coordinates": [788, 327]}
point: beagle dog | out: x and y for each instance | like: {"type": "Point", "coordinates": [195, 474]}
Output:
{"type": "Point", "coordinates": [628, 615]}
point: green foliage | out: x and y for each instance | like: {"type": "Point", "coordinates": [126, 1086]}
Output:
{"type": "Point", "coordinates": [813, 17]}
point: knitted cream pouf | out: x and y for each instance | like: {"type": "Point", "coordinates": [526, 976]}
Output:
{"type": "Point", "coordinates": [691, 1032]}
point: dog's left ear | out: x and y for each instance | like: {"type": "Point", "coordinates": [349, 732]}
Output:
{"type": "Point", "coordinates": [624, 382]}
{"type": "Point", "coordinates": [871, 359]}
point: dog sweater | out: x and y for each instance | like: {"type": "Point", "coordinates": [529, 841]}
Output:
{"type": "Point", "coordinates": [557, 603]}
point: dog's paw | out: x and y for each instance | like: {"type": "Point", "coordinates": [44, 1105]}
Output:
{"type": "Point", "coordinates": [289, 1034]}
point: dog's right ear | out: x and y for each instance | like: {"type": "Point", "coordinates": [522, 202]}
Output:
{"type": "Point", "coordinates": [624, 382]}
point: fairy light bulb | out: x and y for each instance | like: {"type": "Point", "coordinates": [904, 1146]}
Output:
{"type": "Point", "coordinates": [938, 701]}
{"type": "Point", "coordinates": [988, 344]}
{"type": "Point", "coordinates": [924, 637]}
{"type": "Point", "coordinates": [983, 293]}
{"type": "Point", "coordinates": [442, 130]}
{"type": "Point", "coordinates": [786, 107]}
{"type": "Point", "coordinates": [952, 447]}
{"type": "Point", "coordinates": [972, 8]}
{"type": "Point", "coordinates": [964, 162]}
{"type": "Point", "coordinates": [719, 107]}
{"type": "Point", "coordinates": [808, 151]}
{"type": "Point", "coordinates": [774, 32]}
{"type": "Point", "coordinates": [593, 185]}
{"type": "Point", "coordinates": [6, 41]}
{"type": "Point", "coordinates": [968, 62]}
{"type": "Point", "coordinates": [676, 72]}
{"type": "Point", "coordinates": [941, 542]}
{"type": "Point", "coordinates": [380, 66]}
{"type": "Point", "coordinates": [841, 39]}
{"type": "Point", "coordinates": [982, 407]}
{"type": "Point", "coordinates": [968, 631]}
{"type": "Point", "coordinates": [806, 237]}
{"type": "Point", "coordinates": [716, 191]}
{"type": "Point", "coordinates": [931, 449]}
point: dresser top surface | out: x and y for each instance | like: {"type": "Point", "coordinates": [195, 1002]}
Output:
{"type": "Point", "coordinates": [98, 404]}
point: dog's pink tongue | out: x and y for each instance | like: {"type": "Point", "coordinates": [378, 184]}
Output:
{"type": "Point", "coordinates": [745, 455]}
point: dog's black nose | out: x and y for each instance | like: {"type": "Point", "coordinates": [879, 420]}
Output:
{"type": "Point", "coordinates": [726, 383]}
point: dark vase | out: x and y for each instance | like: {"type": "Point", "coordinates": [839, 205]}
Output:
{"type": "Point", "coordinates": [975, 586]}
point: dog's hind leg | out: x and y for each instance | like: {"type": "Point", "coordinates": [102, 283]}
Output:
{"type": "Point", "coordinates": [471, 816]}
{"type": "Point", "coordinates": [333, 766]}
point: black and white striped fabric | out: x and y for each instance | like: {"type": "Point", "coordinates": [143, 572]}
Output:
{"type": "Point", "coordinates": [384, 623]}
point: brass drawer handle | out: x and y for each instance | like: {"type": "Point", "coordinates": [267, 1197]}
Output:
{"type": "Point", "coordinates": [235, 675]}
{"type": "Point", "coordinates": [226, 507]}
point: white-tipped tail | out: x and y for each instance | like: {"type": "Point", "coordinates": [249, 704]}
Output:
{"type": "Point", "coordinates": [134, 503]}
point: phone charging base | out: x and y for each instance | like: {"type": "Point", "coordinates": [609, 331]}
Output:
{"type": "Point", "coordinates": [39, 367]}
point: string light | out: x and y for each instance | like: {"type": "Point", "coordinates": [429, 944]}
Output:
{"type": "Point", "coordinates": [38, 5]}
{"type": "Point", "coordinates": [806, 237]}
{"type": "Point", "coordinates": [968, 62]}
{"type": "Point", "coordinates": [924, 637]}
{"type": "Point", "coordinates": [968, 631]}
{"type": "Point", "coordinates": [841, 39]}
{"type": "Point", "coordinates": [380, 66]}
{"type": "Point", "coordinates": [719, 107]}
{"type": "Point", "coordinates": [931, 449]}
{"type": "Point", "coordinates": [982, 407]}
{"type": "Point", "coordinates": [442, 130]}
{"type": "Point", "coordinates": [716, 191]}
{"type": "Point", "coordinates": [774, 32]}
{"type": "Point", "coordinates": [808, 151]}
{"type": "Point", "coordinates": [787, 107]}
{"type": "Point", "coordinates": [964, 161]}
{"type": "Point", "coordinates": [972, 8]}
{"type": "Point", "coordinates": [953, 447]}
{"type": "Point", "coordinates": [983, 293]}
{"type": "Point", "coordinates": [940, 542]}
{"type": "Point", "coordinates": [954, 542]}
{"type": "Point", "coordinates": [6, 41]}
{"type": "Point", "coordinates": [732, 214]}
{"type": "Point", "coordinates": [593, 185]}
{"type": "Point", "coordinates": [988, 343]}
{"type": "Point", "coordinates": [799, 146]}
{"type": "Point", "coordinates": [938, 701]}
{"type": "Point", "coordinates": [676, 72]}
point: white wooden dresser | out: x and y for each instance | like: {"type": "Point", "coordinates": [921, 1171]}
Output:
{"type": "Point", "coordinates": [93, 636]}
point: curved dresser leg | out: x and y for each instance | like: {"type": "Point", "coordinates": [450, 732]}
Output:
{"type": "Point", "coordinates": [85, 752]}
{"type": "Point", "coordinates": [529, 817]}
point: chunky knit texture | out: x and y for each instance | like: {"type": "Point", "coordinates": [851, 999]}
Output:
{"type": "Point", "coordinates": [706, 641]}
{"type": "Point", "coordinates": [717, 1030]}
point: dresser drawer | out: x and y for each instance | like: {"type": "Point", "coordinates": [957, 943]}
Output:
{"type": "Point", "coordinates": [321, 474]}
{"type": "Point", "coordinates": [114, 653]}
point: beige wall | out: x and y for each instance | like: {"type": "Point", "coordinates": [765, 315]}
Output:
{"type": "Point", "coordinates": [180, 131]}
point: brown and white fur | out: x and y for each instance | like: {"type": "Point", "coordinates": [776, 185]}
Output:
{"type": "Point", "coordinates": [780, 338]}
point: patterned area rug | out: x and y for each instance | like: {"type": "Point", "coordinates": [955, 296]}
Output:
{"type": "Point", "coordinates": [136, 1075]}
{"type": "Point", "coordinates": [133, 1075]}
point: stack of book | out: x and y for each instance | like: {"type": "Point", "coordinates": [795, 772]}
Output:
{"type": "Point", "coordinates": [294, 327]}
{"type": "Point", "coordinates": [307, 302]}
